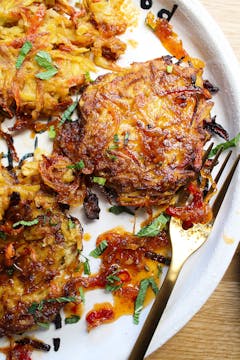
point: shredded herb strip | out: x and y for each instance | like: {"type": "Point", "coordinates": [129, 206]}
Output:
{"type": "Point", "coordinates": [82, 295]}
{"type": "Point", "coordinates": [71, 224]}
{"type": "Point", "coordinates": [169, 69]}
{"type": "Point", "coordinates": [138, 306]}
{"type": "Point", "coordinates": [3, 235]}
{"type": "Point", "coordinates": [78, 166]}
{"type": "Point", "coordinates": [26, 223]}
{"type": "Point", "coordinates": [99, 249]}
{"type": "Point", "coordinates": [114, 282]}
{"type": "Point", "coordinates": [225, 145]}
{"type": "Point", "coordinates": [118, 209]}
{"type": "Point", "coordinates": [27, 46]}
{"type": "Point", "coordinates": [88, 77]}
{"type": "Point", "coordinates": [99, 180]}
{"type": "Point", "coordinates": [155, 227]}
{"type": "Point", "coordinates": [86, 267]}
{"type": "Point", "coordinates": [39, 306]}
{"type": "Point", "coordinates": [73, 319]}
{"type": "Point", "coordinates": [66, 116]}
{"type": "Point", "coordinates": [52, 132]}
{"type": "Point", "coordinates": [43, 325]}
{"type": "Point", "coordinates": [44, 60]}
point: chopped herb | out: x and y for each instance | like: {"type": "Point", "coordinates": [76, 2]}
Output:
{"type": "Point", "coordinates": [88, 77]}
{"type": "Point", "coordinates": [26, 223]}
{"type": "Point", "coordinates": [113, 147]}
{"type": "Point", "coordinates": [226, 145]}
{"type": "Point", "coordinates": [39, 306]}
{"type": "Point", "coordinates": [169, 69]}
{"type": "Point", "coordinates": [112, 157]}
{"type": "Point", "coordinates": [46, 75]}
{"type": "Point", "coordinates": [78, 166]}
{"type": "Point", "coordinates": [10, 271]}
{"type": "Point", "coordinates": [155, 227]}
{"type": "Point", "coordinates": [52, 132]}
{"type": "Point", "coordinates": [99, 249]}
{"type": "Point", "coordinates": [71, 224]}
{"type": "Point", "coordinates": [33, 308]}
{"type": "Point", "coordinates": [73, 319]}
{"type": "Point", "coordinates": [66, 116]}
{"type": "Point", "coordinates": [159, 270]}
{"type": "Point", "coordinates": [27, 46]}
{"type": "Point", "coordinates": [3, 235]}
{"type": "Point", "coordinates": [82, 295]}
{"type": "Point", "coordinates": [118, 209]}
{"type": "Point", "coordinates": [115, 138]}
{"type": "Point", "coordinates": [138, 306]}
{"type": "Point", "coordinates": [99, 180]}
{"type": "Point", "coordinates": [44, 60]}
{"type": "Point", "coordinates": [43, 325]}
{"type": "Point", "coordinates": [113, 282]}
{"type": "Point", "coordinates": [86, 267]}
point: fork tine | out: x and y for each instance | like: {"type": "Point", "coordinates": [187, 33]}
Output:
{"type": "Point", "coordinates": [222, 192]}
{"type": "Point", "coordinates": [206, 153]}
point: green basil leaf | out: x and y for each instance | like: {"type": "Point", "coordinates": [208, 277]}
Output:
{"type": "Point", "coordinates": [27, 46]}
{"type": "Point", "coordinates": [26, 223]}
{"type": "Point", "coordinates": [138, 306]}
{"type": "Point", "coordinates": [43, 325]}
{"type": "Point", "coordinates": [86, 267]}
{"type": "Point", "coordinates": [73, 319]}
{"type": "Point", "coordinates": [99, 180]}
{"type": "Point", "coordinates": [52, 132]}
{"type": "Point", "coordinates": [68, 112]}
{"type": "Point", "coordinates": [3, 235]}
{"type": "Point", "coordinates": [46, 75]}
{"type": "Point", "coordinates": [155, 227]}
{"type": "Point", "coordinates": [78, 166]}
{"type": "Point", "coordinates": [71, 224]}
{"type": "Point", "coordinates": [43, 59]}
{"type": "Point", "coordinates": [118, 209]}
{"type": "Point", "coordinates": [82, 295]}
{"type": "Point", "coordinates": [99, 249]}
{"type": "Point", "coordinates": [226, 145]}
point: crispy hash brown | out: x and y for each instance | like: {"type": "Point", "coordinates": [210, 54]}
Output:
{"type": "Point", "coordinates": [142, 130]}
{"type": "Point", "coordinates": [39, 251]}
{"type": "Point", "coordinates": [74, 39]}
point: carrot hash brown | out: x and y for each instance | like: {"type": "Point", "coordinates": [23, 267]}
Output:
{"type": "Point", "coordinates": [47, 49]}
{"type": "Point", "coordinates": [39, 251]}
{"type": "Point", "coordinates": [141, 130]}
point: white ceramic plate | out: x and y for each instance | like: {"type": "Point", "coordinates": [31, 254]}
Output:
{"type": "Point", "coordinates": [200, 276]}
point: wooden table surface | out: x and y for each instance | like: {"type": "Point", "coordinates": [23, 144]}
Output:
{"type": "Point", "coordinates": [214, 332]}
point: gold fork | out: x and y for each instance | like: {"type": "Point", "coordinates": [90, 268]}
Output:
{"type": "Point", "coordinates": [184, 243]}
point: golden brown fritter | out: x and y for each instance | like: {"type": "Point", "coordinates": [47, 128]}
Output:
{"type": "Point", "coordinates": [142, 129]}
{"type": "Point", "coordinates": [39, 252]}
{"type": "Point", "coordinates": [73, 41]}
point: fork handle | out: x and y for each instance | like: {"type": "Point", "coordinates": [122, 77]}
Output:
{"type": "Point", "coordinates": [155, 314]}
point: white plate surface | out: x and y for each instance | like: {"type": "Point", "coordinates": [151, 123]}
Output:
{"type": "Point", "coordinates": [202, 273]}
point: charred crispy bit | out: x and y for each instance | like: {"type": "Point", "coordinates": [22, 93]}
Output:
{"type": "Point", "coordinates": [90, 205]}
{"type": "Point", "coordinates": [213, 89]}
{"type": "Point", "coordinates": [142, 130]}
{"type": "Point", "coordinates": [216, 129]}
{"type": "Point", "coordinates": [39, 247]}
{"type": "Point", "coordinates": [57, 174]}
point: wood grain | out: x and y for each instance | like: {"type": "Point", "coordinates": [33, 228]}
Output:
{"type": "Point", "coordinates": [214, 333]}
